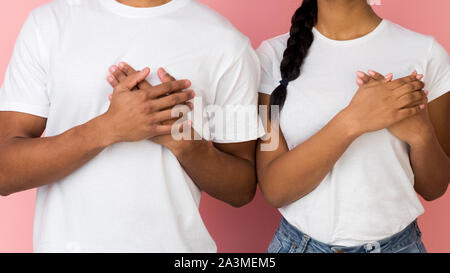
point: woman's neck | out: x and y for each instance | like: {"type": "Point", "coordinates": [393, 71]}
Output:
{"type": "Point", "coordinates": [345, 19]}
{"type": "Point", "coordinates": [143, 3]}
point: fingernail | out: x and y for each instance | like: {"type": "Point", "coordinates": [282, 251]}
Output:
{"type": "Point", "coordinates": [419, 76]}
{"type": "Point", "coordinates": [426, 92]}
{"type": "Point", "coordinates": [360, 74]}
{"type": "Point", "coordinates": [422, 106]}
{"type": "Point", "coordinates": [371, 73]}
{"type": "Point", "coordinates": [110, 79]}
{"type": "Point", "coordinates": [122, 65]}
{"type": "Point", "coordinates": [110, 97]}
{"type": "Point", "coordinates": [192, 94]}
{"type": "Point", "coordinates": [163, 71]}
{"type": "Point", "coordinates": [359, 81]}
{"type": "Point", "coordinates": [113, 69]}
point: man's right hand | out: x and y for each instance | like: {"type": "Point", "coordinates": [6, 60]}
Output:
{"type": "Point", "coordinates": [138, 115]}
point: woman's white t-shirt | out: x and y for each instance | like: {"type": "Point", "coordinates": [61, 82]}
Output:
{"type": "Point", "coordinates": [369, 193]}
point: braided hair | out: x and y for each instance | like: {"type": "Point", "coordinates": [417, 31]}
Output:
{"type": "Point", "coordinates": [300, 40]}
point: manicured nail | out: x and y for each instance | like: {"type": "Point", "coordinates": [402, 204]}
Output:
{"type": "Point", "coordinates": [372, 73]}
{"type": "Point", "coordinates": [422, 106]}
{"type": "Point", "coordinates": [359, 81]}
{"type": "Point", "coordinates": [426, 92]}
{"type": "Point", "coordinates": [110, 79]}
{"type": "Point", "coordinates": [192, 95]}
{"type": "Point", "coordinates": [360, 74]}
{"type": "Point", "coordinates": [112, 69]}
{"type": "Point", "coordinates": [419, 76]}
{"type": "Point", "coordinates": [122, 65]}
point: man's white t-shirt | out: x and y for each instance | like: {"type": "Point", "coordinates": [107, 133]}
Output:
{"type": "Point", "coordinates": [133, 197]}
{"type": "Point", "coordinates": [368, 195]}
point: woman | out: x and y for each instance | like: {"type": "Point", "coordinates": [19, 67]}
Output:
{"type": "Point", "coordinates": [350, 160]}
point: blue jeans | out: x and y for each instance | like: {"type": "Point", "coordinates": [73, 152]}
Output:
{"type": "Point", "coordinates": [288, 239]}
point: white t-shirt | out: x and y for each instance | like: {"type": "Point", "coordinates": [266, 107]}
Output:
{"type": "Point", "coordinates": [133, 197]}
{"type": "Point", "coordinates": [368, 195]}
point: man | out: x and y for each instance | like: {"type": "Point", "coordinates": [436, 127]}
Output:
{"type": "Point", "coordinates": [110, 176]}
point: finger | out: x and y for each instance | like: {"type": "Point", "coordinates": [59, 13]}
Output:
{"type": "Point", "coordinates": [168, 87]}
{"type": "Point", "coordinates": [117, 73]}
{"type": "Point", "coordinates": [375, 75]}
{"type": "Point", "coordinates": [164, 76]}
{"type": "Point", "coordinates": [409, 88]}
{"type": "Point", "coordinates": [128, 70]}
{"type": "Point", "coordinates": [389, 77]}
{"type": "Point", "coordinates": [173, 100]}
{"type": "Point", "coordinates": [167, 129]}
{"type": "Point", "coordinates": [166, 115]}
{"type": "Point", "coordinates": [362, 78]}
{"type": "Point", "coordinates": [402, 81]}
{"type": "Point", "coordinates": [409, 112]}
{"type": "Point", "coordinates": [112, 81]}
{"type": "Point", "coordinates": [411, 99]}
{"type": "Point", "coordinates": [134, 79]}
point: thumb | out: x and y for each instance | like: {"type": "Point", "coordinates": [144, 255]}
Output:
{"type": "Point", "coordinates": [164, 76]}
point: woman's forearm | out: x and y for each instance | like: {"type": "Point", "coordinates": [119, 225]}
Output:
{"type": "Point", "coordinates": [431, 167]}
{"type": "Point", "coordinates": [298, 172]}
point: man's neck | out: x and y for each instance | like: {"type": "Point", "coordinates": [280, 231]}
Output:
{"type": "Point", "coordinates": [346, 19]}
{"type": "Point", "coordinates": [143, 3]}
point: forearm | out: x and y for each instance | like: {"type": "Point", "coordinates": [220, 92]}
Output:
{"type": "Point", "coordinates": [431, 168]}
{"type": "Point", "coordinates": [221, 175]}
{"type": "Point", "coordinates": [27, 163]}
{"type": "Point", "coordinates": [283, 182]}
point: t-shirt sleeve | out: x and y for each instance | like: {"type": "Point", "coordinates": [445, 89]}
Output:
{"type": "Point", "coordinates": [266, 58]}
{"type": "Point", "coordinates": [25, 85]}
{"type": "Point", "coordinates": [437, 71]}
{"type": "Point", "coordinates": [235, 112]}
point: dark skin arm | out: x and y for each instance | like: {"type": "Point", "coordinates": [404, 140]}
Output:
{"type": "Point", "coordinates": [286, 175]}
{"type": "Point", "coordinates": [428, 135]}
{"type": "Point", "coordinates": [224, 171]}
{"type": "Point", "coordinates": [28, 161]}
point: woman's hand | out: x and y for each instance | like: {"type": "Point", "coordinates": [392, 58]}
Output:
{"type": "Point", "coordinates": [380, 104]}
{"type": "Point", "coordinates": [413, 130]}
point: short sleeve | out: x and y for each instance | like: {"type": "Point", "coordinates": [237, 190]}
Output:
{"type": "Point", "coordinates": [25, 86]}
{"type": "Point", "coordinates": [437, 71]}
{"type": "Point", "coordinates": [266, 57]}
{"type": "Point", "coordinates": [234, 114]}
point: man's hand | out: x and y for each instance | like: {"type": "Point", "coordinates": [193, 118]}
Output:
{"type": "Point", "coordinates": [144, 113]}
{"type": "Point", "coordinates": [413, 130]}
{"type": "Point", "coordinates": [120, 74]}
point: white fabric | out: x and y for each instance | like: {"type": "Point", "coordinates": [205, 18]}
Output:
{"type": "Point", "coordinates": [133, 197]}
{"type": "Point", "coordinates": [369, 194]}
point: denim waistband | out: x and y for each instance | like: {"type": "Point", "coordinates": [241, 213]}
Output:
{"type": "Point", "coordinates": [402, 239]}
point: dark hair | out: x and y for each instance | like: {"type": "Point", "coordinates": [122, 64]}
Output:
{"type": "Point", "coordinates": [300, 40]}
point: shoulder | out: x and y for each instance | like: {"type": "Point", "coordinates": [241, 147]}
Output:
{"type": "Point", "coordinates": [270, 52]}
{"type": "Point", "coordinates": [413, 40]}
{"type": "Point", "coordinates": [58, 11]}
{"type": "Point", "coordinates": [219, 32]}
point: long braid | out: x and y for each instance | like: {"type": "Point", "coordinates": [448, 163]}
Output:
{"type": "Point", "coordinates": [300, 40]}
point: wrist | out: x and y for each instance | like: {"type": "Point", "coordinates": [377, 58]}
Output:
{"type": "Point", "coordinates": [351, 127]}
{"type": "Point", "coordinates": [422, 139]}
{"type": "Point", "coordinates": [103, 132]}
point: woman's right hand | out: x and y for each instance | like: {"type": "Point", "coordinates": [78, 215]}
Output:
{"type": "Point", "coordinates": [380, 104]}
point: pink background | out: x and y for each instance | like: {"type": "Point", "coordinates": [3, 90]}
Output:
{"type": "Point", "coordinates": [248, 229]}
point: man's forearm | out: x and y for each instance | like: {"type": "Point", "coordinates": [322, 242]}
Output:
{"type": "Point", "coordinates": [27, 163]}
{"type": "Point", "coordinates": [221, 175]}
{"type": "Point", "coordinates": [431, 168]}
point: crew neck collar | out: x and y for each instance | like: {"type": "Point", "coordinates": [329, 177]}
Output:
{"type": "Point", "coordinates": [370, 35]}
{"type": "Point", "coordinates": [129, 11]}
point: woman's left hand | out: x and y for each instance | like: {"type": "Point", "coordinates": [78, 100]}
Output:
{"type": "Point", "coordinates": [414, 130]}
